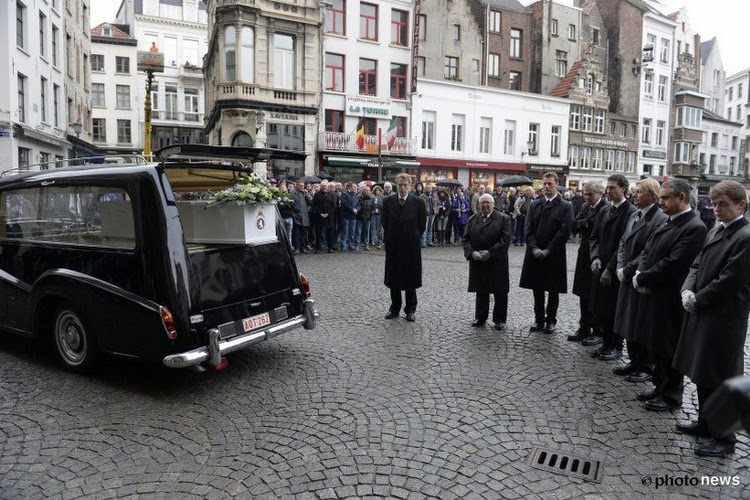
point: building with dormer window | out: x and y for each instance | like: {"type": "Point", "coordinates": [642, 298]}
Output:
{"type": "Point", "coordinates": [263, 78]}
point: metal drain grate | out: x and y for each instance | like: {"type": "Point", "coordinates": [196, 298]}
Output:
{"type": "Point", "coordinates": [567, 464]}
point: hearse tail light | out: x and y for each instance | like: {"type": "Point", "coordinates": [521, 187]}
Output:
{"type": "Point", "coordinates": [168, 321]}
{"type": "Point", "coordinates": [305, 285]}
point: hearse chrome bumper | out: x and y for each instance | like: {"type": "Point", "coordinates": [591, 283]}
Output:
{"type": "Point", "coordinates": [216, 348]}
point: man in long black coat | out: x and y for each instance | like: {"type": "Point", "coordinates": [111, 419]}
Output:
{"type": "Point", "coordinates": [545, 264]}
{"type": "Point", "coordinates": [604, 243]}
{"type": "Point", "coordinates": [662, 268]}
{"type": "Point", "coordinates": [486, 241]}
{"type": "Point", "coordinates": [582, 279]}
{"type": "Point", "coordinates": [324, 206]}
{"type": "Point", "coordinates": [301, 217]}
{"type": "Point", "coordinates": [641, 225]}
{"type": "Point", "coordinates": [716, 296]}
{"type": "Point", "coordinates": [404, 218]}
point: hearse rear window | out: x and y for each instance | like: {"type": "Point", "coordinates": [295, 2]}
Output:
{"type": "Point", "coordinates": [76, 215]}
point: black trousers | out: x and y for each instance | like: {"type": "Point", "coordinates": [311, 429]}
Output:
{"type": "Point", "coordinates": [552, 305]}
{"type": "Point", "coordinates": [319, 228]}
{"type": "Point", "coordinates": [299, 235]}
{"type": "Point", "coordinates": [500, 311]}
{"type": "Point", "coordinates": [667, 381]}
{"type": "Point", "coordinates": [704, 392]}
{"type": "Point", "coordinates": [411, 300]}
{"type": "Point", "coordinates": [587, 319]}
{"type": "Point", "coordinates": [639, 356]}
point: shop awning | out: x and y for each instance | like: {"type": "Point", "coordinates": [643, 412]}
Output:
{"type": "Point", "coordinates": [347, 161]}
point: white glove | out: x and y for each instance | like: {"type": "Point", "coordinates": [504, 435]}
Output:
{"type": "Point", "coordinates": [476, 255]}
{"type": "Point", "coordinates": [621, 275]}
{"type": "Point", "coordinates": [546, 252]}
{"type": "Point", "coordinates": [596, 266]}
{"type": "Point", "coordinates": [485, 255]}
{"type": "Point", "coordinates": [688, 301]}
{"type": "Point", "coordinates": [635, 280]}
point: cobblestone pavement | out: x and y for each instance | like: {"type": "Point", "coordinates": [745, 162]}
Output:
{"type": "Point", "coordinates": [358, 407]}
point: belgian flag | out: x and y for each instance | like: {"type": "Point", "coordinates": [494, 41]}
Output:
{"type": "Point", "coordinates": [359, 133]}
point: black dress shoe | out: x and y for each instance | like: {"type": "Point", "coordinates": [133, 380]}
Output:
{"type": "Point", "coordinates": [592, 339]}
{"type": "Point", "coordinates": [537, 327]}
{"type": "Point", "coordinates": [714, 448]}
{"type": "Point", "coordinates": [639, 376]}
{"type": "Point", "coordinates": [579, 335]}
{"type": "Point", "coordinates": [692, 429]}
{"type": "Point", "coordinates": [477, 323]}
{"type": "Point", "coordinates": [625, 370]}
{"type": "Point", "coordinates": [499, 327]}
{"type": "Point", "coordinates": [610, 354]}
{"type": "Point", "coordinates": [550, 327]}
{"type": "Point", "coordinates": [645, 396]}
{"type": "Point", "coordinates": [410, 317]}
{"type": "Point", "coordinates": [391, 315]}
{"type": "Point", "coordinates": [661, 404]}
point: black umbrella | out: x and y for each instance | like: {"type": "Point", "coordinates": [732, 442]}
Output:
{"type": "Point", "coordinates": [325, 175]}
{"type": "Point", "coordinates": [516, 180]}
{"type": "Point", "coordinates": [311, 178]}
{"type": "Point", "coordinates": [449, 183]}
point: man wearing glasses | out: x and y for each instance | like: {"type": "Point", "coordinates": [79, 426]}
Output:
{"type": "Point", "coordinates": [404, 218]}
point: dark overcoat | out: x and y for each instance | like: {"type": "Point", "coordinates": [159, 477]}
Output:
{"type": "Point", "coordinates": [490, 276]}
{"type": "Point", "coordinates": [711, 347]}
{"type": "Point", "coordinates": [583, 224]}
{"type": "Point", "coordinates": [325, 203]}
{"type": "Point", "coordinates": [604, 243]}
{"type": "Point", "coordinates": [403, 226]}
{"type": "Point", "coordinates": [664, 264]}
{"type": "Point", "coordinates": [300, 209]}
{"type": "Point", "coordinates": [547, 228]}
{"type": "Point", "coordinates": [631, 245]}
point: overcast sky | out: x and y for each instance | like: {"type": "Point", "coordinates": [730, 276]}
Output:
{"type": "Point", "coordinates": [725, 19]}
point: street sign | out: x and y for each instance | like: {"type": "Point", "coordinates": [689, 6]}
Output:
{"type": "Point", "coordinates": [150, 61]}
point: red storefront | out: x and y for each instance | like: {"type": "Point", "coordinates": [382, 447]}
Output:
{"type": "Point", "coordinates": [489, 173]}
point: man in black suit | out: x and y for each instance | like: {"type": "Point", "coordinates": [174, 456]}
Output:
{"type": "Point", "coordinates": [716, 296]}
{"type": "Point", "coordinates": [662, 269]}
{"type": "Point", "coordinates": [604, 242]}
{"type": "Point", "coordinates": [324, 205]}
{"type": "Point", "coordinates": [486, 241]}
{"type": "Point", "coordinates": [404, 218]}
{"type": "Point", "coordinates": [641, 225]}
{"type": "Point", "coordinates": [582, 280]}
{"type": "Point", "coordinates": [545, 264]}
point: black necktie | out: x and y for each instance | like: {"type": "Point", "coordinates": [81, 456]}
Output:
{"type": "Point", "coordinates": [401, 201]}
{"type": "Point", "coordinates": [638, 216]}
{"type": "Point", "coordinates": [718, 232]}
{"type": "Point", "coordinates": [612, 210]}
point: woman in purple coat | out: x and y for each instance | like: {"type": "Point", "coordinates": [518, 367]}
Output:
{"type": "Point", "coordinates": [462, 210]}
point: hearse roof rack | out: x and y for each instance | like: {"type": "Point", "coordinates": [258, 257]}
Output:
{"type": "Point", "coordinates": [179, 153]}
{"type": "Point", "coordinates": [94, 161]}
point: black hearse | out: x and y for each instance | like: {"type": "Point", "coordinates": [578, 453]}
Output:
{"type": "Point", "coordinates": [95, 258]}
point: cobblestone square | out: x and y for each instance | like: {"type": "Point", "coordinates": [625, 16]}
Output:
{"type": "Point", "coordinates": [358, 407]}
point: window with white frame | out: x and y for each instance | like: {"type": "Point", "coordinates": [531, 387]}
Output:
{"type": "Point", "coordinates": [585, 158]}
{"type": "Point", "coordinates": [664, 50]}
{"type": "Point", "coordinates": [589, 84]}
{"type": "Point", "coordinates": [122, 93]}
{"type": "Point", "coordinates": [283, 47]}
{"type": "Point", "coordinates": [662, 91]}
{"type": "Point", "coordinates": [516, 39]}
{"type": "Point", "coordinates": [124, 135]}
{"type": "Point", "coordinates": [97, 94]}
{"type": "Point", "coordinates": [56, 104]}
{"type": "Point", "coordinates": [588, 118]}
{"type": "Point", "coordinates": [682, 152]}
{"type": "Point", "coordinates": [553, 27]}
{"type": "Point", "coordinates": [20, 25]}
{"type": "Point", "coordinates": [247, 54]}
{"type": "Point", "coordinates": [620, 161]}
{"type": "Point", "coordinates": [493, 63]}
{"type": "Point", "coordinates": [631, 161]}
{"type": "Point", "coordinates": [43, 35]}
{"type": "Point", "coordinates": [428, 130]}
{"type": "Point", "coordinates": [716, 78]}
{"type": "Point", "coordinates": [575, 117]}
{"type": "Point", "coordinates": [533, 139]}
{"type": "Point", "coordinates": [599, 121]}
{"type": "Point", "coordinates": [660, 129]}
{"type": "Point", "coordinates": [457, 132]}
{"type": "Point", "coordinates": [43, 99]}
{"type": "Point", "coordinates": [597, 159]}
{"type": "Point", "coordinates": [191, 104]}
{"type": "Point", "coordinates": [610, 165]}
{"type": "Point", "coordinates": [648, 85]}
{"type": "Point", "coordinates": [170, 99]}
{"type": "Point", "coordinates": [689, 117]}
{"type": "Point", "coordinates": [554, 147]}
{"type": "Point", "coordinates": [573, 156]}
{"type": "Point", "coordinates": [99, 129]}
{"type": "Point", "coordinates": [509, 137]}
{"type": "Point", "coordinates": [97, 62]}
{"type": "Point", "coordinates": [561, 63]}
{"type": "Point", "coordinates": [646, 132]}
{"type": "Point", "coordinates": [485, 135]}
{"type": "Point", "coordinates": [122, 64]}
{"type": "Point", "coordinates": [21, 82]}
{"type": "Point", "coordinates": [571, 32]}
{"type": "Point", "coordinates": [230, 54]}
{"type": "Point", "coordinates": [55, 42]}
{"type": "Point", "coordinates": [495, 21]}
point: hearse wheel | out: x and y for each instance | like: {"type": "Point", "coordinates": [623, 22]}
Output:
{"type": "Point", "coordinates": [75, 345]}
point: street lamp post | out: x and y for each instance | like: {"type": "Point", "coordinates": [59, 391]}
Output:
{"type": "Point", "coordinates": [150, 61]}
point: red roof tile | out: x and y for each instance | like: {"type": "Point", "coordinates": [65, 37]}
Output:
{"type": "Point", "coordinates": [116, 32]}
{"type": "Point", "coordinates": [563, 88]}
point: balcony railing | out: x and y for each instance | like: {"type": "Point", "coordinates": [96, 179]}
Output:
{"type": "Point", "coordinates": [190, 71]}
{"type": "Point", "coordinates": [340, 141]}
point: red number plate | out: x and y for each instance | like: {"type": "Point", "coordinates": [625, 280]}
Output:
{"type": "Point", "coordinates": [254, 322]}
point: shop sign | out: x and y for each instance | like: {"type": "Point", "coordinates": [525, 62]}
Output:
{"type": "Point", "coordinates": [368, 107]}
{"type": "Point", "coordinates": [657, 155]}
{"type": "Point", "coordinates": [604, 142]}
{"type": "Point", "coordinates": [284, 116]}
{"type": "Point", "coordinates": [547, 168]}
{"type": "Point", "coordinates": [4, 133]}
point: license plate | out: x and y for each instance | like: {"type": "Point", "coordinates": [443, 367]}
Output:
{"type": "Point", "coordinates": [254, 322]}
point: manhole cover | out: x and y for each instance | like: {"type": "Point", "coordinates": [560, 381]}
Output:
{"type": "Point", "coordinates": [566, 463]}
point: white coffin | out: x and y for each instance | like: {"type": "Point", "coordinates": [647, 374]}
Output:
{"type": "Point", "coordinates": [227, 223]}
